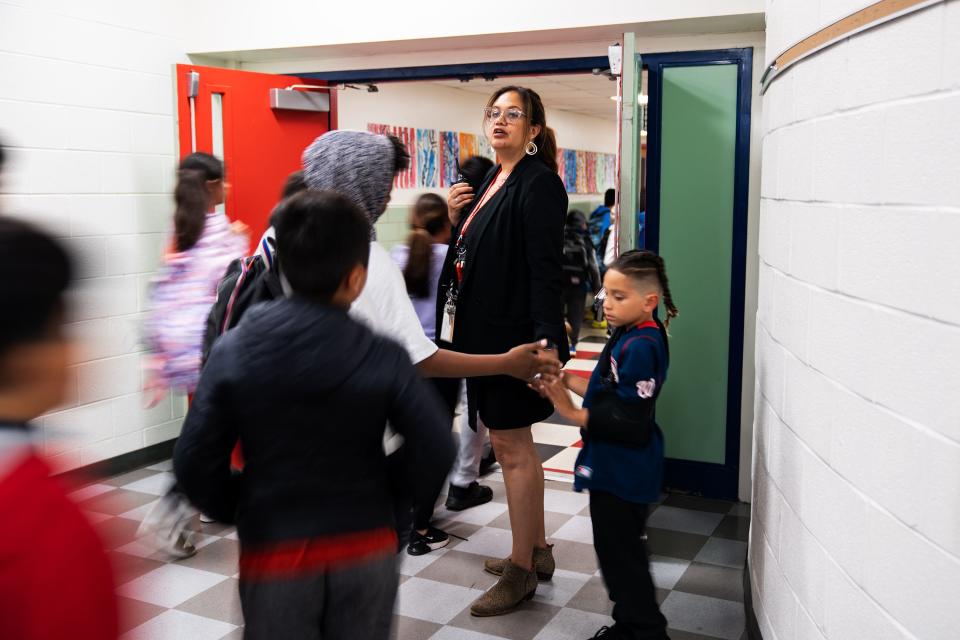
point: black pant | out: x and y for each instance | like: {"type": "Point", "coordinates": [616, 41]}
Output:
{"type": "Point", "coordinates": [575, 299]}
{"type": "Point", "coordinates": [617, 529]}
{"type": "Point", "coordinates": [449, 391]}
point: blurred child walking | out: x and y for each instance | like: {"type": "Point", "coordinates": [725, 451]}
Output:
{"type": "Point", "coordinates": [55, 580]}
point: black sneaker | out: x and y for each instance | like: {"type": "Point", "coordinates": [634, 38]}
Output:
{"type": "Point", "coordinates": [460, 498]}
{"type": "Point", "coordinates": [421, 544]}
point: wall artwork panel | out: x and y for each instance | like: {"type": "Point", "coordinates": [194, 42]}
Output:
{"type": "Point", "coordinates": [428, 159]}
{"type": "Point", "coordinates": [484, 149]}
{"type": "Point", "coordinates": [581, 183]}
{"type": "Point", "coordinates": [408, 136]}
{"type": "Point", "coordinates": [570, 170]}
{"type": "Point", "coordinates": [449, 155]}
{"type": "Point", "coordinates": [468, 146]}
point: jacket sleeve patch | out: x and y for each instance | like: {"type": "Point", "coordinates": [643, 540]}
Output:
{"type": "Point", "coordinates": [646, 388]}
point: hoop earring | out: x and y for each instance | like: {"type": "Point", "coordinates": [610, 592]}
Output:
{"type": "Point", "coordinates": [531, 148]}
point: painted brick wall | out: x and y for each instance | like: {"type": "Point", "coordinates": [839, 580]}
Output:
{"type": "Point", "coordinates": [86, 105]}
{"type": "Point", "coordinates": [856, 527]}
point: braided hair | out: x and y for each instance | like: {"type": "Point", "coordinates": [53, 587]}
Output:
{"type": "Point", "coordinates": [645, 265]}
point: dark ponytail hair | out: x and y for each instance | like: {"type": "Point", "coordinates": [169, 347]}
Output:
{"type": "Point", "coordinates": [546, 140]}
{"type": "Point", "coordinates": [192, 197]}
{"type": "Point", "coordinates": [644, 266]}
{"type": "Point", "coordinates": [429, 217]}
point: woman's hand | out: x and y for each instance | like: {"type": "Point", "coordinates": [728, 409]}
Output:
{"type": "Point", "coordinates": [528, 360]}
{"type": "Point", "coordinates": [461, 194]}
{"type": "Point", "coordinates": [239, 228]}
{"type": "Point", "coordinates": [552, 388]}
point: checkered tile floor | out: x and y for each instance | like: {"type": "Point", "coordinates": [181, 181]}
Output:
{"type": "Point", "coordinates": [697, 552]}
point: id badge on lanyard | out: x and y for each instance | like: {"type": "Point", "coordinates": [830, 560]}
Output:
{"type": "Point", "coordinates": [449, 316]}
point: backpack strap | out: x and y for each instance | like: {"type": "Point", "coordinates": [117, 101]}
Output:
{"type": "Point", "coordinates": [244, 270]}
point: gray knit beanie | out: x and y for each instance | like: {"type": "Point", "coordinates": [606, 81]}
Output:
{"type": "Point", "coordinates": [357, 164]}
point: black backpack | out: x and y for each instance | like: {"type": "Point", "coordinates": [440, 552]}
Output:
{"type": "Point", "coordinates": [246, 282]}
{"type": "Point", "coordinates": [575, 260]}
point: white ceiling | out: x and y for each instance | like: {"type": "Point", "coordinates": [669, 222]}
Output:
{"type": "Point", "coordinates": [584, 94]}
{"type": "Point", "coordinates": [581, 93]}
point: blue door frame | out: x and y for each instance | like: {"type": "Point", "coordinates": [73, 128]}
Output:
{"type": "Point", "coordinates": [710, 480]}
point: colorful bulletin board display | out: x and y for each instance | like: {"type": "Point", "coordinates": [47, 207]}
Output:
{"type": "Point", "coordinates": [449, 154]}
{"type": "Point", "coordinates": [435, 156]}
{"type": "Point", "coordinates": [408, 136]}
{"type": "Point", "coordinates": [428, 159]}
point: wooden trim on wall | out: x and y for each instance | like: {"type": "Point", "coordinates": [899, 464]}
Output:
{"type": "Point", "coordinates": [867, 18]}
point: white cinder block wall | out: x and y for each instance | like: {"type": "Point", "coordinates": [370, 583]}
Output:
{"type": "Point", "coordinates": [856, 525]}
{"type": "Point", "coordinates": [86, 105]}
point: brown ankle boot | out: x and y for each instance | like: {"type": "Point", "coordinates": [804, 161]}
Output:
{"type": "Point", "coordinates": [515, 586]}
{"type": "Point", "coordinates": [543, 563]}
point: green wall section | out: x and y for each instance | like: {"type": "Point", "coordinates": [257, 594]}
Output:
{"type": "Point", "coordinates": [696, 225]}
{"type": "Point", "coordinates": [394, 225]}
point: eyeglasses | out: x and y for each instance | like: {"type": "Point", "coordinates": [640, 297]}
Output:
{"type": "Point", "coordinates": [512, 115]}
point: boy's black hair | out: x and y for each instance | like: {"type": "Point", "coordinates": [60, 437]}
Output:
{"type": "Point", "coordinates": [34, 275]}
{"type": "Point", "coordinates": [644, 265]}
{"type": "Point", "coordinates": [610, 198]}
{"type": "Point", "coordinates": [401, 157]}
{"type": "Point", "coordinates": [321, 237]}
{"type": "Point", "coordinates": [576, 218]}
{"type": "Point", "coordinates": [475, 169]}
{"type": "Point", "coordinates": [295, 183]}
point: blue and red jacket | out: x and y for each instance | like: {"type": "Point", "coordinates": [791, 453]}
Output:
{"type": "Point", "coordinates": [622, 445]}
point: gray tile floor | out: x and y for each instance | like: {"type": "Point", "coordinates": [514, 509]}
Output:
{"type": "Point", "coordinates": [697, 552]}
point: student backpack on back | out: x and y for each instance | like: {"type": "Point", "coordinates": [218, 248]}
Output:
{"type": "Point", "coordinates": [246, 282]}
{"type": "Point", "coordinates": [574, 258]}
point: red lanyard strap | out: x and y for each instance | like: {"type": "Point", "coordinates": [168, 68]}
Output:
{"type": "Point", "coordinates": [484, 199]}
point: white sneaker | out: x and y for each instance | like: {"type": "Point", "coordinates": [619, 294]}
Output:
{"type": "Point", "coordinates": [205, 519]}
{"type": "Point", "coordinates": [172, 522]}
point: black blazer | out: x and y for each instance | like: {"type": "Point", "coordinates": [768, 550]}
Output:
{"type": "Point", "coordinates": [512, 289]}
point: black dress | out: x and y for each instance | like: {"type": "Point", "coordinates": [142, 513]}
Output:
{"type": "Point", "coordinates": [511, 291]}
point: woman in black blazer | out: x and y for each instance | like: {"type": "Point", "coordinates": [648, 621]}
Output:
{"type": "Point", "coordinates": [502, 286]}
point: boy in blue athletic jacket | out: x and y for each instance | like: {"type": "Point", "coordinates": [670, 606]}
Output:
{"type": "Point", "coordinates": [621, 462]}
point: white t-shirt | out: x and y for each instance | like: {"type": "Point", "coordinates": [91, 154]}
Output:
{"type": "Point", "coordinates": [386, 309]}
{"type": "Point", "coordinates": [383, 306]}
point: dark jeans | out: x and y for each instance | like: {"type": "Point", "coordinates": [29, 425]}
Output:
{"type": "Point", "coordinates": [356, 602]}
{"type": "Point", "coordinates": [575, 299]}
{"type": "Point", "coordinates": [449, 391]}
{"type": "Point", "coordinates": [617, 529]}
